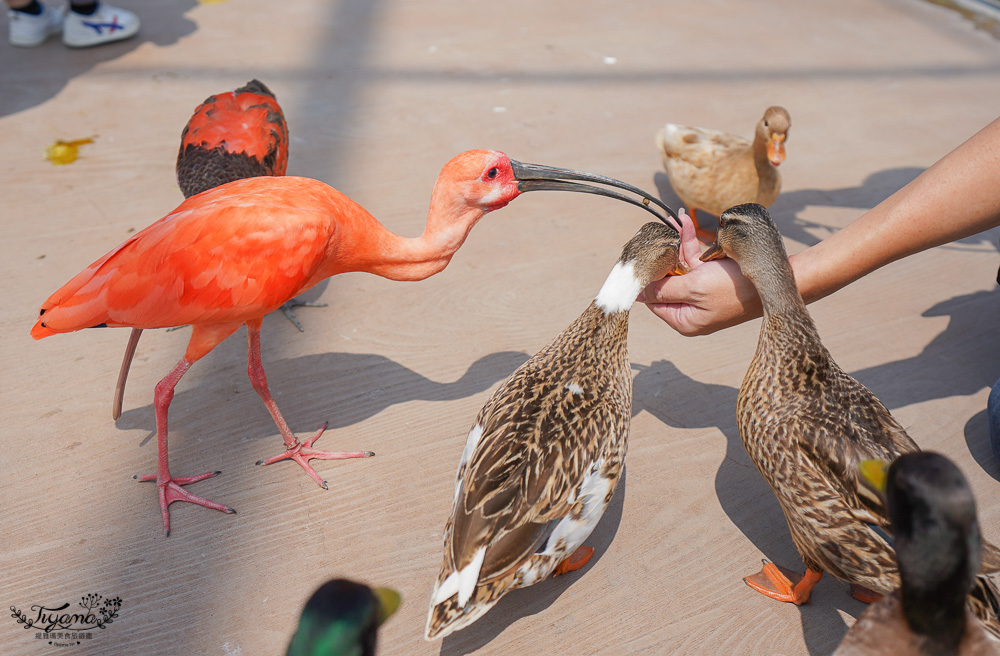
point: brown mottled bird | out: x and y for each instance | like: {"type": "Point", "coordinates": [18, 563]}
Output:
{"type": "Point", "coordinates": [807, 425]}
{"type": "Point", "coordinates": [712, 170]}
{"type": "Point", "coordinates": [544, 457]}
{"type": "Point", "coordinates": [938, 546]}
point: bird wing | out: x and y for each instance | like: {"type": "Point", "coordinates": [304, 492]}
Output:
{"type": "Point", "coordinates": [699, 147]}
{"type": "Point", "coordinates": [229, 254]}
{"type": "Point", "coordinates": [852, 425]}
{"type": "Point", "coordinates": [248, 120]}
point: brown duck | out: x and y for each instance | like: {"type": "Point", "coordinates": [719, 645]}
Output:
{"type": "Point", "coordinates": [807, 425]}
{"type": "Point", "coordinates": [712, 171]}
{"type": "Point", "coordinates": [542, 462]}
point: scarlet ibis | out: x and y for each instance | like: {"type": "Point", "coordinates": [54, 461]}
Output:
{"type": "Point", "coordinates": [230, 255]}
{"type": "Point", "coordinates": [231, 136]}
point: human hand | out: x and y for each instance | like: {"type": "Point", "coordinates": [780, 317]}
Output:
{"type": "Point", "coordinates": [713, 296]}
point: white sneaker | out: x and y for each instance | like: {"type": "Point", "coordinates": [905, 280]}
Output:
{"type": "Point", "coordinates": [29, 30]}
{"type": "Point", "coordinates": [105, 25]}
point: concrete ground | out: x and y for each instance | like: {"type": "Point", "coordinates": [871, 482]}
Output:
{"type": "Point", "coordinates": [378, 95]}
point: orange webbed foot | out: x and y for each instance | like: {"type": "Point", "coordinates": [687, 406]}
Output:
{"type": "Point", "coordinates": [575, 561]}
{"type": "Point", "coordinates": [706, 236]}
{"type": "Point", "coordinates": [170, 489]}
{"type": "Point", "coordinates": [784, 584]}
{"type": "Point", "coordinates": [863, 594]}
{"type": "Point", "coordinates": [302, 453]}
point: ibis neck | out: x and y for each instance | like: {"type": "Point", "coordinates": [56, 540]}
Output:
{"type": "Point", "coordinates": [417, 258]}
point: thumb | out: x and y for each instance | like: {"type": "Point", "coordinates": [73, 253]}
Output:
{"type": "Point", "coordinates": [690, 247]}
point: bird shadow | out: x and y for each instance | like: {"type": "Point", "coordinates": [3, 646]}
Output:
{"type": "Point", "coordinates": [525, 602]}
{"type": "Point", "coordinates": [963, 357]}
{"type": "Point", "coordinates": [341, 388]}
{"type": "Point", "coordinates": [743, 493]}
{"type": "Point", "coordinates": [34, 75]}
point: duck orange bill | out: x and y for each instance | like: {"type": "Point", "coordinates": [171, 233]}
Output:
{"type": "Point", "coordinates": [776, 149]}
{"type": "Point", "coordinates": [536, 177]}
{"type": "Point", "coordinates": [714, 252]}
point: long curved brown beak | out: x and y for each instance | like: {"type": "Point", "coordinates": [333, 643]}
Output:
{"type": "Point", "coordinates": [535, 177]}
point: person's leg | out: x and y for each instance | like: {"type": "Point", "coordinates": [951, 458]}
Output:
{"type": "Point", "coordinates": [993, 413]}
{"type": "Point", "coordinates": [92, 23]}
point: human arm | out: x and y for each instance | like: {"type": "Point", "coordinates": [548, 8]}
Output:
{"type": "Point", "coordinates": [956, 197]}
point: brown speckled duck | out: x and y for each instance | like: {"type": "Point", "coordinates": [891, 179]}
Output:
{"type": "Point", "coordinates": [807, 425]}
{"type": "Point", "coordinates": [938, 547]}
{"type": "Point", "coordinates": [542, 462]}
{"type": "Point", "coordinates": [712, 170]}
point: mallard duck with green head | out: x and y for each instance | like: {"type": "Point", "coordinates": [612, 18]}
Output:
{"type": "Point", "coordinates": [342, 619]}
{"type": "Point", "coordinates": [938, 548]}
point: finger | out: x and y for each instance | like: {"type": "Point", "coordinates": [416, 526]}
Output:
{"type": "Point", "coordinates": [690, 246]}
{"type": "Point", "coordinates": [669, 289]}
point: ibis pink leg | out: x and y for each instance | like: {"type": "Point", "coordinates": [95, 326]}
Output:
{"type": "Point", "coordinates": [300, 452]}
{"type": "Point", "coordinates": [170, 487]}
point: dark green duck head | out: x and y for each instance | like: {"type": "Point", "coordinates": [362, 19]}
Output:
{"type": "Point", "coordinates": [938, 545]}
{"type": "Point", "coordinates": [342, 619]}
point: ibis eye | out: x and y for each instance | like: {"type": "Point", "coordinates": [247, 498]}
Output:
{"type": "Point", "coordinates": [492, 173]}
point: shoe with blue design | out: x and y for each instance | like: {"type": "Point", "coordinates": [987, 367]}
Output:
{"type": "Point", "coordinates": [105, 25]}
{"type": "Point", "coordinates": [30, 30]}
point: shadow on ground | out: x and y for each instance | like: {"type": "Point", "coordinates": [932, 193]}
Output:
{"type": "Point", "coordinates": [342, 388]}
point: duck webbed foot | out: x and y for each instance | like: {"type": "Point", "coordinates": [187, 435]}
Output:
{"type": "Point", "coordinates": [784, 584]}
{"type": "Point", "coordinates": [863, 594]}
{"type": "Point", "coordinates": [575, 561]}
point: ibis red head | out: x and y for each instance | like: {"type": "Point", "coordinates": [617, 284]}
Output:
{"type": "Point", "coordinates": [492, 179]}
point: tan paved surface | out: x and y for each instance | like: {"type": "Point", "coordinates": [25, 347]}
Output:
{"type": "Point", "coordinates": [378, 96]}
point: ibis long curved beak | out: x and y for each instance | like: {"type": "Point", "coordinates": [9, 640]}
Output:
{"type": "Point", "coordinates": [535, 177]}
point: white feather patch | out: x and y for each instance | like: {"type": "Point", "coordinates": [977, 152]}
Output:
{"type": "Point", "coordinates": [445, 589]}
{"type": "Point", "coordinates": [469, 576]}
{"type": "Point", "coordinates": [574, 388]}
{"type": "Point", "coordinates": [470, 447]}
{"type": "Point", "coordinates": [620, 289]}
{"type": "Point", "coordinates": [573, 531]}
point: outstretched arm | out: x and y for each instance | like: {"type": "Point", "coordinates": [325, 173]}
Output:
{"type": "Point", "coordinates": [956, 197]}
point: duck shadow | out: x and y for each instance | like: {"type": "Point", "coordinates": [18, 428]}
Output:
{"type": "Point", "coordinates": [34, 75]}
{"type": "Point", "coordinates": [341, 388]}
{"type": "Point", "coordinates": [525, 602]}
{"type": "Point", "coordinates": [743, 494]}
{"type": "Point", "coordinates": [963, 357]}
